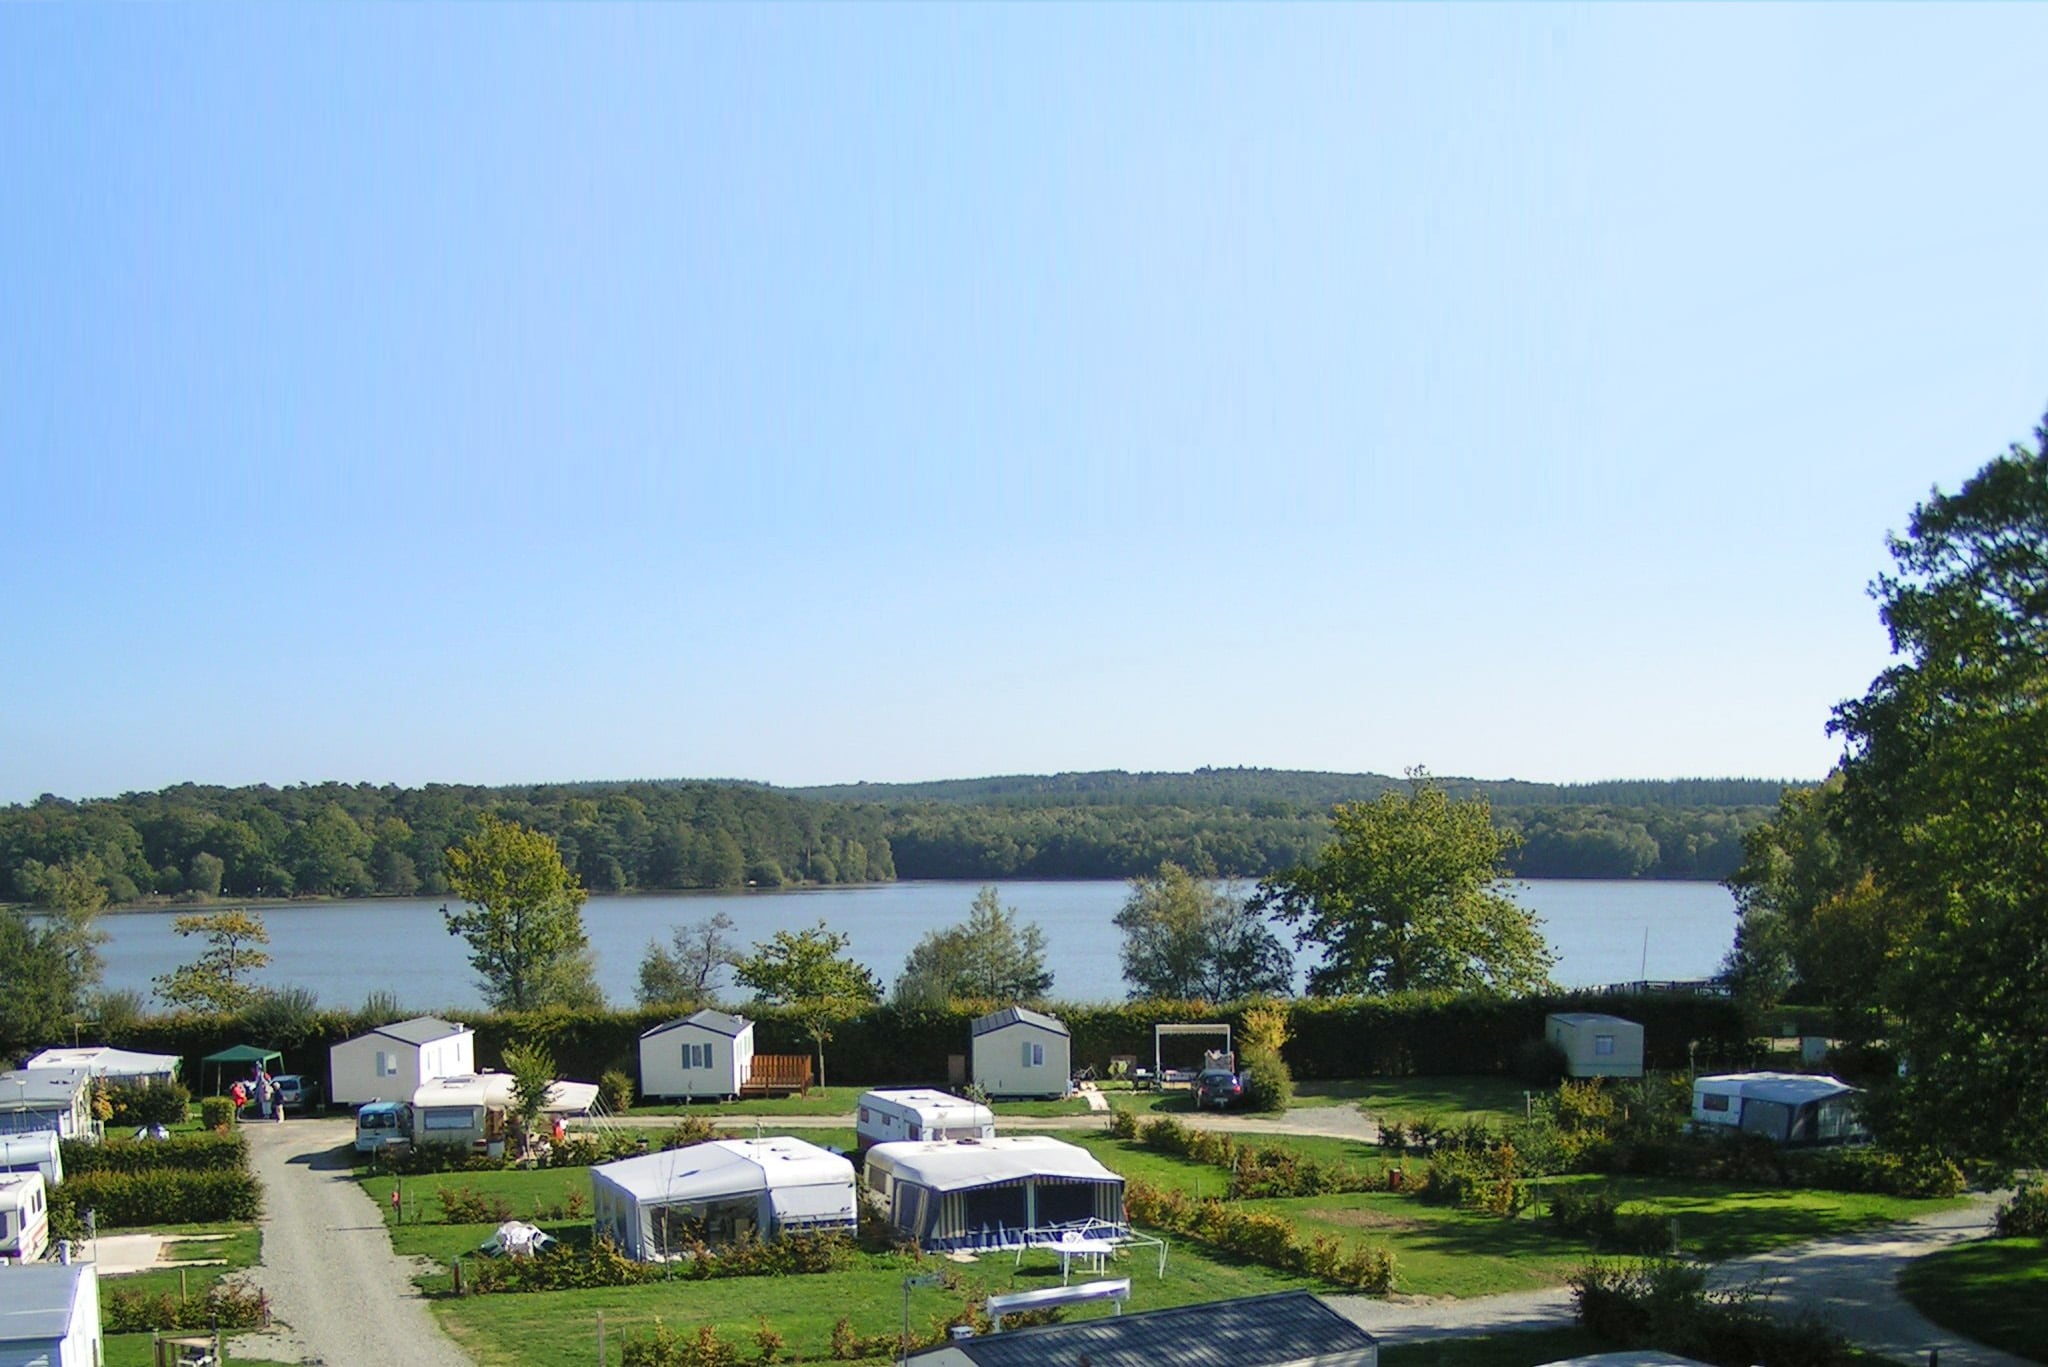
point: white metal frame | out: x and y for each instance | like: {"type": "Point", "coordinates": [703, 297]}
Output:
{"type": "Point", "coordinates": [1160, 1032]}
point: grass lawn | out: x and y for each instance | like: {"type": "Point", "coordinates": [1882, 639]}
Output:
{"type": "Point", "coordinates": [240, 1249]}
{"type": "Point", "coordinates": [1992, 1290]}
{"type": "Point", "coordinates": [1456, 1099]}
{"type": "Point", "coordinates": [133, 1350]}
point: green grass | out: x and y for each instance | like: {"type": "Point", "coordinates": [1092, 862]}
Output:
{"type": "Point", "coordinates": [1452, 1099]}
{"type": "Point", "coordinates": [240, 1249]}
{"type": "Point", "coordinates": [542, 1329]}
{"type": "Point", "coordinates": [1992, 1290]}
{"type": "Point", "coordinates": [133, 1350]}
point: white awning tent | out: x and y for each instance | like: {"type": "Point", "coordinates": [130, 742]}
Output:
{"type": "Point", "coordinates": [657, 1205]}
{"type": "Point", "coordinates": [1791, 1108]}
{"type": "Point", "coordinates": [101, 1060]}
{"type": "Point", "coordinates": [994, 1193]}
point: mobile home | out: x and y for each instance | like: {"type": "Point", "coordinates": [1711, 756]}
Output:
{"type": "Point", "coordinates": [50, 1315]}
{"type": "Point", "coordinates": [115, 1065]}
{"type": "Point", "coordinates": [24, 1217]}
{"type": "Point", "coordinates": [891, 1115]}
{"type": "Point", "coordinates": [60, 1102]}
{"type": "Point", "coordinates": [993, 1193]}
{"type": "Point", "coordinates": [39, 1152]}
{"type": "Point", "coordinates": [391, 1062]}
{"type": "Point", "coordinates": [657, 1204]}
{"type": "Point", "coordinates": [1596, 1045]}
{"type": "Point", "coordinates": [1019, 1052]}
{"type": "Point", "coordinates": [706, 1054]}
{"type": "Point", "coordinates": [1790, 1108]}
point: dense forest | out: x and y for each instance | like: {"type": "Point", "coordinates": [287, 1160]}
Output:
{"type": "Point", "coordinates": [195, 843]}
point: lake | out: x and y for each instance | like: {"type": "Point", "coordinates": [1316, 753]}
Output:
{"type": "Point", "coordinates": [343, 951]}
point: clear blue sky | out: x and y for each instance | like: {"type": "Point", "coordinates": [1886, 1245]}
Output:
{"type": "Point", "coordinates": [515, 393]}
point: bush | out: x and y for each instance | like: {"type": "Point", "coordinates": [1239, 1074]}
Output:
{"type": "Point", "coordinates": [226, 1306]}
{"type": "Point", "coordinates": [564, 1269]}
{"type": "Point", "coordinates": [465, 1205]}
{"type": "Point", "coordinates": [1123, 1124]}
{"type": "Point", "coordinates": [216, 1113]}
{"type": "Point", "coordinates": [1919, 1173]}
{"type": "Point", "coordinates": [1539, 1063]}
{"type": "Point", "coordinates": [615, 1091]}
{"type": "Point", "coordinates": [139, 1104]}
{"type": "Point", "coordinates": [1268, 1086]}
{"type": "Point", "coordinates": [206, 1151]}
{"type": "Point", "coordinates": [1665, 1305]}
{"type": "Point", "coordinates": [2025, 1215]}
{"type": "Point", "coordinates": [160, 1196]}
{"type": "Point", "coordinates": [1264, 1238]}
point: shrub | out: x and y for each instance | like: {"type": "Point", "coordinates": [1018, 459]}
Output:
{"type": "Point", "coordinates": [134, 1105]}
{"type": "Point", "coordinates": [206, 1151]}
{"type": "Point", "coordinates": [216, 1113]}
{"type": "Point", "coordinates": [465, 1205]}
{"type": "Point", "coordinates": [1917, 1173]}
{"type": "Point", "coordinates": [226, 1306]}
{"type": "Point", "coordinates": [2026, 1214]}
{"type": "Point", "coordinates": [1665, 1305]}
{"type": "Point", "coordinates": [1262, 1237]}
{"type": "Point", "coordinates": [1123, 1124]}
{"type": "Point", "coordinates": [564, 1269]}
{"type": "Point", "coordinates": [419, 1160]}
{"type": "Point", "coordinates": [160, 1196]}
{"type": "Point", "coordinates": [615, 1090]}
{"type": "Point", "coordinates": [1539, 1063]}
{"type": "Point", "coordinates": [1268, 1086]}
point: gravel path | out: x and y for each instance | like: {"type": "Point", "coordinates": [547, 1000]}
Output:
{"type": "Point", "coordinates": [341, 1296]}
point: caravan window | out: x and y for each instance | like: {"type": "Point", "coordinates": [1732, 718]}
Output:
{"type": "Point", "coordinates": [387, 1064]}
{"type": "Point", "coordinates": [1714, 1101]}
{"type": "Point", "coordinates": [1034, 1055]}
{"type": "Point", "coordinates": [449, 1118]}
{"type": "Point", "coordinates": [696, 1056]}
{"type": "Point", "coordinates": [1603, 1045]}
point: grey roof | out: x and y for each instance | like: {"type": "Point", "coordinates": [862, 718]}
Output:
{"type": "Point", "coordinates": [40, 1089]}
{"type": "Point", "coordinates": [39, 1300]}
{"type": "Point", "coordinates": [1011, 1015]}
{"type": "Point", "coordinates": [1590, 1018]}
{"type": "Point", "coordinates": [1255, 1331]}
{"type": "Point", "coordinates": [420, 1029]}
{"type": "Point", "coordinates": [717, 1022]}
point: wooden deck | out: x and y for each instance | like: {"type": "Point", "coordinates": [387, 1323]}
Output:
{"type": "Point", "coordinates": [778, 1075]}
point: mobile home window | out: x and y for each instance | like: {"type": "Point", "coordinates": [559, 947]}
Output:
{"type": "Point", "coordinates": [1603, 1045]}
{"type": "Point", "coordinates": [387, 1064]}
{"type": "Point", "coordinates": [696, 1056]}
{"type": "Point", "coordinates": [1714, 1101]}
{"type": "Point", "coordinates": [449, 1118]}
{"type": "Point", "coordinates": [1034, 1055]}
{"type": "Point", "coordinates": [863, 1115]}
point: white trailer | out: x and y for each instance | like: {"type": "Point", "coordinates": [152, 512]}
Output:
{"type": "Point", "coordinates": [24, 1217]}
{"type": "Point", "coordinates": [893, 1115]}
{"type": "Point", "coordinates": [39, 1152]}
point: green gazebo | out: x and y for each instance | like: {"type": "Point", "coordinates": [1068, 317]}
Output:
{"type": "Point", "coordinates": [240, 1056]}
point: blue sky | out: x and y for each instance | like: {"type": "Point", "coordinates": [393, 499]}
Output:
{"type": "Point", "coordinates": [518, 393]}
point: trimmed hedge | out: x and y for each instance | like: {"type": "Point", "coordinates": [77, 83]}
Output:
{"type": "Point", "coordinates": [202, 1152]}
{"type": "Point", "coordinates": [1338, 1037]}
{"type": "Point", "coordinates": [1666, 1306]}
{"type": "Point", "coordinates": [160, 1196]}
{"type": "Point", "coordinates": [563, 1269]}
{"type": "Point", "coordinates": [1264, 1238]}
{"type": "Point", "coordinates": [226, 1306]}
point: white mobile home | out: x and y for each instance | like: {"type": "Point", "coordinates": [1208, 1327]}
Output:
{"type": "Point", "coordinates": [60, 1102]}
{"type": "Point", "coordinates": [1790, 1108]}
{"type": "Point", "coordinates": [993, 1193]}
{"type": "Point", "coordinates": [658, 1204]}
{"type": "Point", "coordinates": [392, 1061]}
{"type": "Point", "coordinates": [24, 1218]}
{"type": "Point", "coordinates": [39, 1152]}
{"type": "Point", "coordinates": [706, 1054]}
{"type": "Point", "coordinates": [1019, 1052]}
{"type": "Point", "coordinates": [50, 1315]}
{"type": "Point", "coordinates": [1595, 1045]}
{"type": "Point", "coordinates": [116, 1065]}
{"type": "Point", "coordinates": [892, 1115]}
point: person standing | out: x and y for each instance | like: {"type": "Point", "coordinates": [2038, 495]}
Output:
{"type": "Point", "coordinates": [277, 1101]}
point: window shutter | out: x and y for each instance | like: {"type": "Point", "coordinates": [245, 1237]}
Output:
{"type": "Point", "coordinates": [1027, 1053]}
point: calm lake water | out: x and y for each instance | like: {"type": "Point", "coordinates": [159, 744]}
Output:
{"type": "Point", "coordinates": [346, 950]}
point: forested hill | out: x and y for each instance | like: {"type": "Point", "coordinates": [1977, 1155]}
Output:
{"type": "Point", "coordinates": [196, 843]}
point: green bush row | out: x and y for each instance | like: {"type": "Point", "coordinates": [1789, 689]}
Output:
{"type": "Point", "coordinates": [133, 1105]}
{"type": "Point", "coordinates": [2025, 1215]}
{"type": "Point", "coordinates": [1255, 1171]}
{"type": "Point", "coordinates": [580, 1150]}
{"type": "Point", "coordinates": [160, 1196]}
{"type": "Point", "coordinates": [226, 1306]}
{"type": "Point", "coordinates": [1595, 1214]}
{"type": "Point", "coordinates": [201, 1152]}
{"type": "Point", "coordinates": [564, 1269]}
{"type": "Point", "coordinates": [1264, 1238]}
{"type": "Point", "coordinates": [1666, 1306]}
{"type": "Point", "coordinates": [1336, 1037]}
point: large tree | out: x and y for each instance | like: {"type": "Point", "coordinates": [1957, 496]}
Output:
{"type": "Point", "coordinates": [218, 980]}
{"type": "Point", "coordinates": [991, 956]}
{"type": "Point", "coordinates": [1945, 790]}
{"type": "Point", "coordinates": [1407, 895]}
{"type": "Point", "coordinates": [1189, 939]}
{"type": "Point", "coordinates": [688, 973]}
{"type": "Point", "coordinates": [808, 972]}
{"type": "Point", "coordinates": [524, 918]}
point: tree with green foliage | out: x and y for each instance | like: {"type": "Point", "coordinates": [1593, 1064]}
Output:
{"type": "Point", "coordinates": [532, 1070]}
{"type": "Point", "coordinates": [807, 971]}
{"type": "Point", "coordinates": [688, 972]}
{"type": "Point", "coordinates": [1407, 896]}
{"type": "Point", "coordinates": [38, 1007]}
{"type": "Point", "coordinates": [991, 956]}
{"type": "Point", "coordinates": [1945, 792]}
{"type": "Point", "coordinates": [524, 918]}
{"type": "Point", "coordinates": [218, 980]}
{"type": "Point", "coordinates": [1188, 939]}
{"type": "Point", "coordinates": [71, 897]}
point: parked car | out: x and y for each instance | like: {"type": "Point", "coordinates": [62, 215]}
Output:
{"type": "Point", "coordinates": [1218, 1088]}
{"type": "Point", "coordinates": [298, 1092]}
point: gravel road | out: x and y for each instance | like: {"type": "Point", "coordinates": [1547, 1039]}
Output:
{"type": "Point", "coordinates": [342, 1298]}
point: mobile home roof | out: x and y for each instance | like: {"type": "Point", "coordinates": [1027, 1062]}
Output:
{"type": "Point", "coordinates": [955, 1165]}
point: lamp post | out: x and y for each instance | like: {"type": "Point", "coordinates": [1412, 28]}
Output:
{"type": "Point", "coordinates": [916, 1279]}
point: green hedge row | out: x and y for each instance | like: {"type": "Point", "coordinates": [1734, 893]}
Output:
{"type": "Point", "coordinates": [201, 1152]}
{"type": "Point", "coordinates": [1401, 1035]}
{"type": "Point", "coordinates": [162, 1196]}
{"type": "Point", "coordinates": [226, 1306]}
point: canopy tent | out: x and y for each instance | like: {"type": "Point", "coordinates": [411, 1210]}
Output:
{"type": "Point", "coordinates": [994, 1193]}
{"type": "Point", "coordinates": [100, 1060]}
{"type": "Point", "coordinates": [657, 1204]}
{"type": "Point", "coordinates": [245, 1058]}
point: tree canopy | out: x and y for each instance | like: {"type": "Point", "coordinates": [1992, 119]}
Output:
{"type": "Point", "coordinates": [1406, 896]}
{"type": "Point", "coordinates": [808, 972]}
{"type": "Point", "coordinates": [218, 980]}
{"type": "Point", "coordinates": [991, 956]}
{"type": "Point", "coordinates": [688, 972]}
{"type": "Point", "coordinates": [1186, 938]}
{"type": "Point", "coordinates": [524, 921]}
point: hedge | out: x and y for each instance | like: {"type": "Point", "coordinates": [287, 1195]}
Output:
{"type": "Point", "coordinates": [1340, 1037]}
{"type": "Point", "coordinates": [1260, 1236]}
{"type": "Point", "coordinates": [225, 1306]}
{"type": "Point", "coordinates": [202, 1152]}
{"type": "Point", "coordinates": [162, 1196]}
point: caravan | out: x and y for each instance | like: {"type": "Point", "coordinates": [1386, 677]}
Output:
{"type": "Point", "coordinates": [892, 1115]}
{"type": "Point", "coordinates": [24, 1217]}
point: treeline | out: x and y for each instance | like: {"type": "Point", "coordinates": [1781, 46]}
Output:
{"type": "Point", "coordinates": [196, 843]}
{"type": "Point", "coordinates": [333, 839]}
